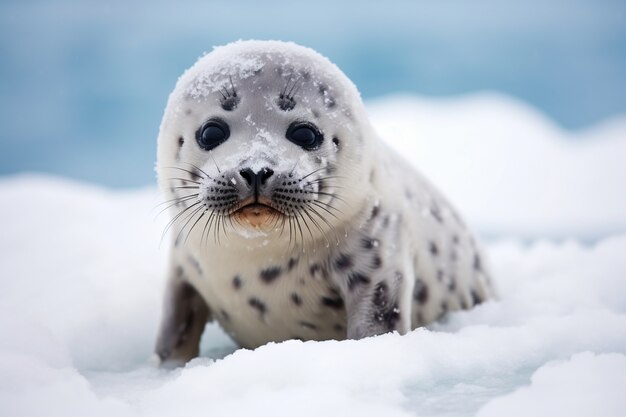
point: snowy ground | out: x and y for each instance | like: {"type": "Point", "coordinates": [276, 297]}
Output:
{"type": "Point", "coordinates": [81, 282]}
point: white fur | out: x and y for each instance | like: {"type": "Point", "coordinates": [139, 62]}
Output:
{"type": "Point", "coordinates": [367, 174]}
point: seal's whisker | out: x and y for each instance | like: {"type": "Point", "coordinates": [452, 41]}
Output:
{"type": "Point", "coordinates": [185, 187]}
{"type": "Point", "coordinates": [194, 224]}
{"type": "Point", "coordinates": [232, 86]}
{"type": "Point", "coordinates": [195, 175]}
{"type": "Point", "coordinates": [175, 218]}
{"type": "Point", "coordinates": [291, 92]}
{"type": "Point", "coordinates": [333, 195]}
{"type": "Point", "coordinates": [330, 226]}
{"type": "Point", "coordinates": [216, 166]}
{"type": "Point", "coordinates": [324, 179]}
{"type": "Point", "coordinates": [297, 221]}
{"type": "Point", "coordinates": [315, 223]}
{"type": "Point", "coordinates": [204, 229]}
{"type": "Point", "coordinates": [327, 207]}
{"type": "Point", "coordinates": [306, 224]}
{"type": "Point", "coordinates": [300, 84]}
{"type": "Point", "coordinates": [178, 201]}
{"type": "Point", "coordinates": [183, 179]}
{"type": "Point", "coordinates": [186, 219]}
{"type": "Point", "coordinates": [286, 85]}
{"type": "Point", "coordinates": [311, 173]}
{"type": "Point", "coordinates": [198, 168]}
{"type": "Point", "coordinates": [210, 223]}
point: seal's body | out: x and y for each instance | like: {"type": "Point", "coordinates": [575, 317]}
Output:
{"type": "Point", "coordinates": [290, 218]}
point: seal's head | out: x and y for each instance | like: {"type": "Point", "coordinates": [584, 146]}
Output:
{"type": "Point", "coordinates": [264, 136]}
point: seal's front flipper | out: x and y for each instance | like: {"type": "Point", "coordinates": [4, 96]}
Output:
{"type": "Point", "coordinates": [185, 314]}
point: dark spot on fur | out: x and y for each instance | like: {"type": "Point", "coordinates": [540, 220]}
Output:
{"type": "Point", "coordinates": [385, 312]}
{"type": "Point", "coordinates": [316, 114]}
{"type": "Point", "coordinates": [419, 319]}
{"type": "Point", "coordinates": [452, 283]}
{"type": "Point", "coordinates": [333, 302]}
{"type": "Point", "coordinates": [377, 262]}
{"type": "Point", "coordinates": [380, 294]}
{"type": "Point", "coordinates": [375, 210]}
{"type": "Point", "coordinates": [285, 102]}
{"type": "Point", "coordinates": [444, 310]}
{"type": "Point", "coordinates": [369, 243]}
{"type": "Point", "coordinates": [338, 327]}
{"type": "Point", "coordinates": [296, 299]}
{"type": "Point", "coordinates": [476, 298]}
{"type": "Point", "coordinates": [432, 247]}
{"type": "Point", "coordinates": [436, 212]}
{"type": "Point", "coordinates": [258, 305]}
{"type": "Point", "coordinates": [270, 274]}
{"type": "Point", "coordinates": [230, 103]}
{"type": "Point", "coordinates": [225, 315]}
{"type": "Point", "coordinates": [188, 112]}
{"type": "Point", "coordinates": [237, 282]}
{"type": "Point", "coordinates": [356, 278]}
{"type": "Point", "coordinates": [195, 264]}
{"type": "Point", "coordinates": [329, 100]}
{"type": "Point", "coordinates": [336, 142]}
{"type": "Point", "coordinates": [440, 275]}
{"type": "Point", "coordinates": [420, 292]}
{"type": "Point", "coordinates": [292, 262]}
{"type": "Point", "coordinates": [181, 140]}
{"type": "Point", "coordinates": [318, 271]}
{"type": "Point", "coordinates": [314, 269]}
{"type": "Point", "coordinates": [478, 266]}
{"type": "Point", "coordinates": [195, 174]}
{"type": "Point", "coordinates": [386, 220]}
{"type": "Point", "coordinates": [344, 262]}
{"type": "Point", "coordinates": [308, 325]}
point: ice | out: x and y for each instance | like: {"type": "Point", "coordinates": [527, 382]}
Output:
{"type": "Point", "coordinates": [81, 281]}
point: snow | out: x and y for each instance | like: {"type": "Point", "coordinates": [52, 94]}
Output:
{"type": "Point", "coordinates": [81, 279]}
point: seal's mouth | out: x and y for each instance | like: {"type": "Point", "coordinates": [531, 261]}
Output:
{"type": "Point", "coordinates": [256, 213]}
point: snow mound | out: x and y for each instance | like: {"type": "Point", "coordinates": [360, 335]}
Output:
{"type": "Point", "coordinates": [508, 168]}
{"type": "Point", "coordinates": [80, 289]}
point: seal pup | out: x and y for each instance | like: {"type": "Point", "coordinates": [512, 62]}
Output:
{"type": "Point", "coordinates": [290, 218]}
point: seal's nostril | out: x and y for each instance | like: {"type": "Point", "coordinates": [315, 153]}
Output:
{"type": "Point", "coordinates": [256, 179]}
{"type": "Point", "coordinates": [265, 173]}
{"type": "Point", "coordinates": [248, 175]}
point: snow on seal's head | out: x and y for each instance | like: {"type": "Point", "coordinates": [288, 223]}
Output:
{"type": "Point", "coordinates": [259, 137]}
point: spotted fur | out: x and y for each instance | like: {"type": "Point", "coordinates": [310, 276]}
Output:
{"type": "Point", "coordinates": [359, 243]}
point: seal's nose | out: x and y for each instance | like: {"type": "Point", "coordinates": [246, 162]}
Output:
{"type": "Point", "coordinates": [256, 179]}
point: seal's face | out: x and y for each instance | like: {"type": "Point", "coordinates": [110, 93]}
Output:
{"type": "Point", "coordinates": [265, 140]}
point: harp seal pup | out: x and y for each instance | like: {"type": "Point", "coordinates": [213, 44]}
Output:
{"type": "Point", "coordinates": [290, 218]}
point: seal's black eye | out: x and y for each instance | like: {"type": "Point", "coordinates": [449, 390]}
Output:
{"type": "Point", "coordinates": [212, 133]}
{"type": "Point", "coordinates": [305, 135]}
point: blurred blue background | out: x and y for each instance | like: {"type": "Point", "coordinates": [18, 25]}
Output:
{"type": "Point", "coordinates": [83, 84]}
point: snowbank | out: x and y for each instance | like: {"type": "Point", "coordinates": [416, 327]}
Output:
{"type": "Point", "coordinates": [510, 169]}
{"type": "Point", "coordinates": [81, 282]}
